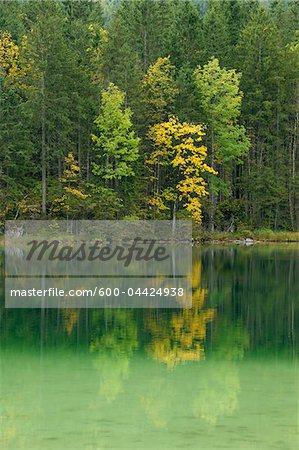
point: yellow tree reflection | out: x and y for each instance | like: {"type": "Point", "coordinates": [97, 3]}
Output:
{"type": "Point", "coordinates": [70, 319]}
{"type": "Point", "coordinates": [181, 337]}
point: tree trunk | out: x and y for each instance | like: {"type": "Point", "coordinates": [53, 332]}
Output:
{"type": "Point", "coordinates": [88, 164]}
{"type": "Point", "coordinates": [44, 152]}
{"type": "Point", "coordinates": [173, 216]}
{"type": "Point", "coordinates": [212, 193]}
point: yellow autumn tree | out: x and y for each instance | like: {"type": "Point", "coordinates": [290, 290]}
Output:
{"type": "Point", "coordinates": [13, 67]}
{"type": "Point", "coordinates": [71, 200]}
{"type": "Point", "coordinates": [177, 164]}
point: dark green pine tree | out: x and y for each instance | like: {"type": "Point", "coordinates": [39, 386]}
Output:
{"type": "Point", "coordinates": [263, 63]}
{"type": "Point", "coordinates": [216, 40]}
{"type": "Point", "coordinates": [50, 78]}
{"type": "Point", "coordinates": [16, 150]}
{"type": "Point", "coordinates": [84, 92]}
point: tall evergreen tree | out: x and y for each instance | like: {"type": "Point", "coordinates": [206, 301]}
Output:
{"type": "Point", "coordinates": [263, 63]}
{"type": "Point", "coordinates": [216, 33]}
{"type": "Point", "coordinates": [49, 79]}
{"type": "Point", "coordinates": [60, 55]}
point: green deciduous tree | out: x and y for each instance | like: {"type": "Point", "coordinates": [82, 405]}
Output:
{"type": "Point", "coordinates": [58, 56]}
{"type": "Point", "coordinates": [116, 146]}
{"type": "Point", "coordinates": [220, 98]}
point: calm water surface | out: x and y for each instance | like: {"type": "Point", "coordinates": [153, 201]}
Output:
{"type": "Point", "coordinates": [223, 375]}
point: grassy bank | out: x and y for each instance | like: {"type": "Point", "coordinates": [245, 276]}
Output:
{"type": "Point", "coordinates": [256, 236]}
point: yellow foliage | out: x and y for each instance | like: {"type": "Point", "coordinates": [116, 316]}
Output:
{"type": "Point", "coordinates": [70, 319]}
{"type": "Point", "coordinates": [9, 56]}
{"type": "Point", "coordinates": [178, 145]}
{"type": "Point", "coordinates": [159, 88]}
{"type": "Point", "coordinates": [157, 201]}
{"type": "Point", "coordinates": [29, 207]}
{"type": "Point", "coordinates": [12, 66]}
{"type": "Point", "coordinates": [182, 338]}
{"type": "Point", "coordinates": [73, 193]}
{"type": "Point", "coordinates": [100, 39]}
{"type": "Point", "coordinates": [71, 177]}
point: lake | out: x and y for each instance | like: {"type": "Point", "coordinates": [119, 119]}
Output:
{"type": "Point", "coordinates": [222, 375]}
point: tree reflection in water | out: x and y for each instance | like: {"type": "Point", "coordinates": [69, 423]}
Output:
{"type": "Point", "coordinates": [184, 369]}
{"type": "Point", "coordinates": [180, 337]}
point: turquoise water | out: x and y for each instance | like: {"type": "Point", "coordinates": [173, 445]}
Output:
{"type": "Point", "coordinates": [221, 375]}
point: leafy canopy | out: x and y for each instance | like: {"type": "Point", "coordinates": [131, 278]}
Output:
{"type": "Point", "coordinates": [178, 147]}
{"type": "Point", "coordinates": [221, 100]}
{"type": "Point", "coordinates": [116, 146]}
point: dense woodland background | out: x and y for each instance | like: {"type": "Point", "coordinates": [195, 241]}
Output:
{"type": "Point", "coordinates": [150, 109]}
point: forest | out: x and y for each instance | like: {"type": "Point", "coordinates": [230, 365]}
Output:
{"type": "Point", "coordinates": [151, 109]}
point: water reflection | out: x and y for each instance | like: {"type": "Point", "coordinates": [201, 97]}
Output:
{"type": "Point", "coordinates": [113, 349]}
{"type": "Point", "coordinates": [222, 374]}
{"type": "Point", "coordinates": [179, 337]}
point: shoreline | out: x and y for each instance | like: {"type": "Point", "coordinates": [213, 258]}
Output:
{"type": "Point", "coordinates": [246, 237]}
{"type": "Point", "coordinates": [242, 238]}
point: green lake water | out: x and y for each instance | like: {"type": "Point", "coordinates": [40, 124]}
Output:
{"type": "Point", "coordinates": [222, 375]}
